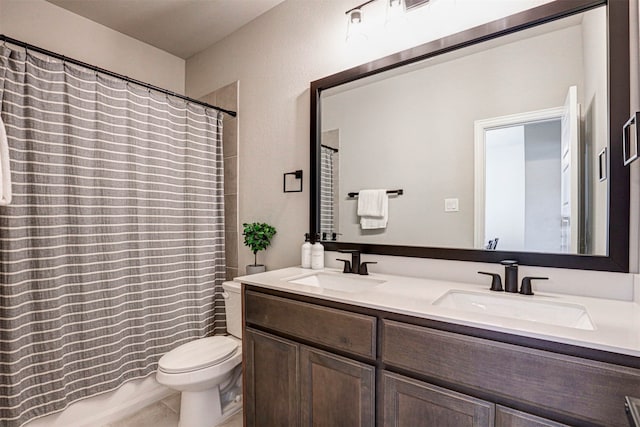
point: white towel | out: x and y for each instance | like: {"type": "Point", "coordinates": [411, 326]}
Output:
{"type": "Point", "coordinates": [5, 171]}
{"type": "Point", "coordinates": [373, 209]}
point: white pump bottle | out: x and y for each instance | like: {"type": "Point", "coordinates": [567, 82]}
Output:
{"type": "Point", "coordinates": [306, 252]}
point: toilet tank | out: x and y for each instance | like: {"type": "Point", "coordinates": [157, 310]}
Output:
{"type": "Point", "coordinates": [233, 308]}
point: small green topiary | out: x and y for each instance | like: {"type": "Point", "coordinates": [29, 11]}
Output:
{"type": "Point", "coordinates": [257, 236]}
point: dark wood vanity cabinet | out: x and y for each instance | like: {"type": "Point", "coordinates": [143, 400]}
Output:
{"type": "Point", "coordinates": [311, 365]}
{"type": "Point", "coordinates": [289, 383]}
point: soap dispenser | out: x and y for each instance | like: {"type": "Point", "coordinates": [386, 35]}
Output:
{"type": "Point", "coordinates": [306, 251]}
{"type": "Point", "coordinates": [317, 254]}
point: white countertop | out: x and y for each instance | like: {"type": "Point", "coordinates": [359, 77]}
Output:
{"type": "Point", "coordinates": [617, 323]}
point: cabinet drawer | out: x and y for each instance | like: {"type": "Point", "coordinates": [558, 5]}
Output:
{"type": "Point", "coordinates": [581, 389]}
{"type": "Point", "coordinates": [337, 329]}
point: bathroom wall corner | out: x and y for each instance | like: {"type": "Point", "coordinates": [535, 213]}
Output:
{"type": "Point", "coordinates": [227, 97]}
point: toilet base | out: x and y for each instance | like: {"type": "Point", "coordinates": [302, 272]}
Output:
{"type": "Point", "coordinates": [200, 408]}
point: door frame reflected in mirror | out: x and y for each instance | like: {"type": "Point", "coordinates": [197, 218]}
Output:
{"type": "Point", "coordinates": [617, 259]}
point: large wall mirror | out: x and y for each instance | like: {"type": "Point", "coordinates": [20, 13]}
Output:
{"type": "Point", "coordinates": [503, 141]}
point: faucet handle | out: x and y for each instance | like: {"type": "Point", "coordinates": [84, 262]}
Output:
{"type": "Point", "coordinates": [525, 288]}
{"type": "Point", "coordinates": [363, 267]}
{"type": "Point", "coordinates": [347, 265]}
{"type": "Point", "coordinates": [496, 282]}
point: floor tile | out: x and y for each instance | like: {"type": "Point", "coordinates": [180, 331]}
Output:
{"type": "Point", "coordinates": [173, 402]}
{"type": "Point", "coordinates": [156, 415]}
{"type": "Point", "coordinates": [235, 421]}
{"type": "Point", "coordinates": [165, 414]}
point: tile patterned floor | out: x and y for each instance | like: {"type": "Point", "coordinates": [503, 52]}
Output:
{"type": "Point", "coordinates": [165, 414]}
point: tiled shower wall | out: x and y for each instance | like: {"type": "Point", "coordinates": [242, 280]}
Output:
{"type": "Point", "coordinates": [227, 97]}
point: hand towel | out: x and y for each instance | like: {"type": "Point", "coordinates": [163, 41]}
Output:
{"type": "Point", "coordinates": [5, 171]}
{"type": "Point", "coordinates": [373, 209]}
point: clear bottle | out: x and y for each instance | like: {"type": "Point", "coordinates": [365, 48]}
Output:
{"type": "Point", "coordinates": [306, 252]}
{"type": "Point", "coordinates": [317, 254]}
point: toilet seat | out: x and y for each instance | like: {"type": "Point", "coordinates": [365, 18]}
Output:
{"type": "Point", "coordinates": [198, 354]}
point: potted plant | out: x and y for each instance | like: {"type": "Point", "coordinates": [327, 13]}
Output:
{"type": "Point", "coordinates": [257, 236]}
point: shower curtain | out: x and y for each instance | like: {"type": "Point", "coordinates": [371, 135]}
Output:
{"type": "Point", "coordinates": [327, 189]}
{"type": "Point", "coordinates": [112, 251]}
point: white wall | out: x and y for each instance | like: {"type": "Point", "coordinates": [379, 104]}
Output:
{"type": "Point", "coordinates": [505, 187]}
{"type": "Point", "coordinates": [275, 57]}
{"type": "Point", "coordinates": [45, 25]}
{"type": "Point", "coordinates": [543, 187]}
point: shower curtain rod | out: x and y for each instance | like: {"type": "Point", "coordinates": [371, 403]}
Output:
{"type": "Point", "coordinates": [28, 47]}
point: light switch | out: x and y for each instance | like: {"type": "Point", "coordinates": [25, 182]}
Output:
{"type": "Point", "coordinates": [451, 205]}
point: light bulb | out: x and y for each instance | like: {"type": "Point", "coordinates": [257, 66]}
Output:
{"type": "Point", "coordinates": [355, 16]}
{"type": "Point", "coordinates": [355, 30]}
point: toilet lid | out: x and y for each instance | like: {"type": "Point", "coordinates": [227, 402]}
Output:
{"type": "Point", "coordinates": [198, 354]}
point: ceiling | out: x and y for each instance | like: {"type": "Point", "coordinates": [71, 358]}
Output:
{"type": "Point", "coordinates": [180, 27]}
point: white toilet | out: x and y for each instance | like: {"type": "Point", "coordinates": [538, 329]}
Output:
{"type": "Point", "coordinates": [208, 370]}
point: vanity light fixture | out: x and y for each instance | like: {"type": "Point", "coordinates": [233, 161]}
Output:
{"type": "Point", "coordinates": [412, 4]}
{"type": "Point", "coordinates": [354, 24]}
{"type": "Point", "coordinates": [395, 11]}
{"type": "Point", "coordinates": [356, 17]}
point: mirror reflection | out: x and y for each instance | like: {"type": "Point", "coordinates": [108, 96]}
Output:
{"type": "Point", "coordinates": [495, 146]}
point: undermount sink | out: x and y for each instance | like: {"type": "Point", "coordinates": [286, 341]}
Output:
{"type": "Point", "coordinates": [337, 282]}
{"type": "Point", "coordinates": [518, 307]}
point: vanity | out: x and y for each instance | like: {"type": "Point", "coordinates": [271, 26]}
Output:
{"type": "Point", "coordinates": [383, 354]}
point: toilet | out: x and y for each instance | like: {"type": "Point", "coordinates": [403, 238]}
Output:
{"type": "Point", "coordinates": [207, 371]}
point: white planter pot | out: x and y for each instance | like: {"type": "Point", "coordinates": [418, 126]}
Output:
{"type": "Point", "coordinates": [256, 268]}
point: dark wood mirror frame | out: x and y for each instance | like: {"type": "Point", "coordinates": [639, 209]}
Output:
{"type": "Point", "coordinates": [617, 259]}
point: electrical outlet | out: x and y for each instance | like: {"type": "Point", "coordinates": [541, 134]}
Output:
{"type": "Point", "coordinates": [451, 205]}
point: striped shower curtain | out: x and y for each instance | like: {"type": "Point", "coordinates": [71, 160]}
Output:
{"type": "Point", "coordinates": [112, 251]}
{"type": "Point", "coordinates": [327, 189]}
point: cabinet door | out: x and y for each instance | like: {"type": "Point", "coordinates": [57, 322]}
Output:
{"type": "Point", "coordinates": [507, 417]}
{"type": "Point", "coordinates": [271, 380]}
{"type": "Point", "coordinates": [335, 391]}
{"type": "Point", "coordinates": [412, 403]}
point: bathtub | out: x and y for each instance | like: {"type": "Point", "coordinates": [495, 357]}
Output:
{"type": "Point", "coordinates": [108, 407]}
